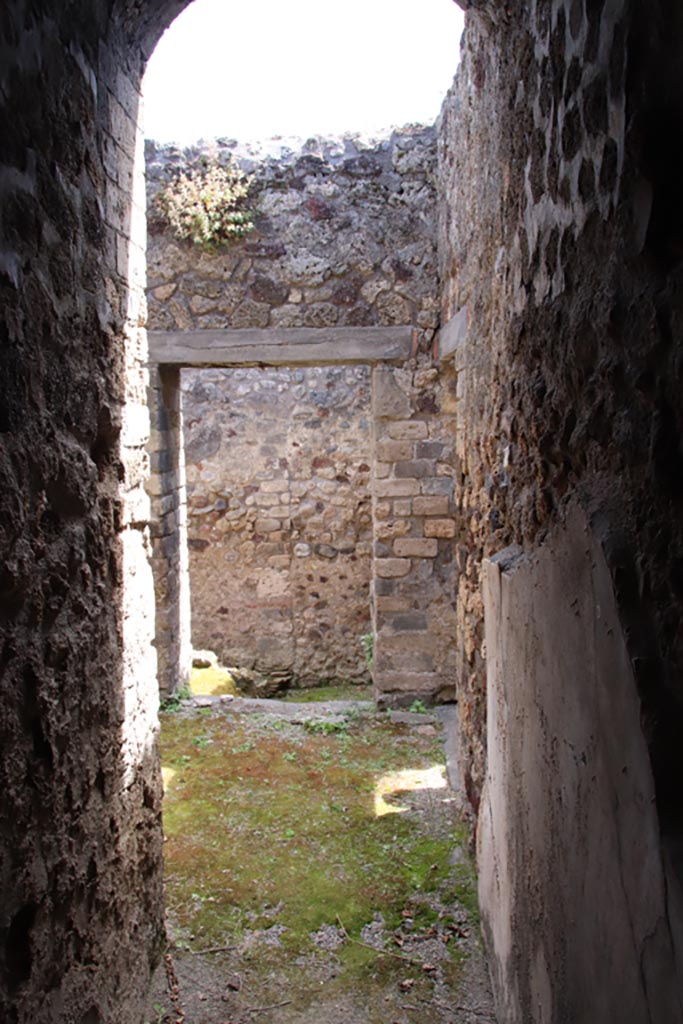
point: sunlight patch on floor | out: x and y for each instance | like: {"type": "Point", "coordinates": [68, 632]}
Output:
{"type": "Point", "coordinates": [407, 781]}
{"type": "Point", "coordinates": [212, 681]}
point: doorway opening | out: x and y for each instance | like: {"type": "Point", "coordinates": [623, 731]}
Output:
{"type": "Point", "coordinates": [279, 526]}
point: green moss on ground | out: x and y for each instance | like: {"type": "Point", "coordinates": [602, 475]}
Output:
{"type": "Point", "coordinates": [269, 824]}
{"type": "Point", "coordinates": [343, 691]}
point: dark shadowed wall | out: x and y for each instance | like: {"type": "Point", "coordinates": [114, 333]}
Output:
{"type": "Point", "coordinates": [560, 236]}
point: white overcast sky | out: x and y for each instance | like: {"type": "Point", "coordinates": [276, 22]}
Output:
{"type": "Point", "coordinates": [251, 69]}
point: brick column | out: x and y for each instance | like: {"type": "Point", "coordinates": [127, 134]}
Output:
{"type": "Point", "coordinates": [169, 530]}
{"type": "Point", "coordinates": [413, 567]}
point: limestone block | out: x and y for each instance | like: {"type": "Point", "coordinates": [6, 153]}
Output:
{"type": "Point", "coordinates": [251, 314]}
{"type": "Point", "coordinates": [439, 528]}
{"type": "Point", "coordinates": [416, 547]}
{"type": "Point", "coordinates": [392, 604]}
{"type": "Point", "coordinates": [266, 501]}
{"type": "Point", "coordinates": [287, 316]}
{"type": "Point", "coordinates": [202, 304]}
{"type": "Point", "coordinates": [403, 661]}
{"type": "Point", "coordinates": [438, 485]}
{"type": "Point", "coordinates": [396, 488]}
{"type": "Point", "coordinates": [393, 309]}
{"type": "Point", "coordinates": [135, 425]}
{"type": "Point", "coordinates": [372, 288]}
{"type": "Point", "coordinates": [430, 506]}
{"type": "Point", "coordinates": [387, 682]}
{"type": "Point", "coordinates": [416, 468]}
{"type": "Point", "coordinates": [267, 525]}
{"type": "Point", "coordinates": [321, 314]}
{"type": "Point", "coordinates": [410, 620]}
{"type": "Point", "coordinates": [429, 449]}
{"type": "Point", "coordinates": [164, 291]}
{"type": "Point", "coordinates": [389, 400]}
{"type": "Point", "coordinates": [274, 486]}
{"type": "Point", "coordinates": [388, 529]}
{"type": "Point", "coordinates": [394, 451]}
{"type": "Point", "coordinates": [412, 430]}
{"type": "Point", "coordinates": [305, 269]}
{"type": "Point", "coordinates": [425, 378]}
{"type": "Point", "coordinates": [387, 568]}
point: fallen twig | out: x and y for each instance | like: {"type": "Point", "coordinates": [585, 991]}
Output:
{"type": "Point", "coordinates": [214, 949]}
{"type": "Point", "coordinates": [264, 1009]}
{"type": "Point", "coordinates": [476, 1011]}
{"type": "Point", "coordinates": [380, 952]}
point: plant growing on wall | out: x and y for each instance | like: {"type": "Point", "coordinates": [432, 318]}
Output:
{"type": "Point", "coordinates": [208, 206]}
{"type": "Point", "coordinates": [367, 642]}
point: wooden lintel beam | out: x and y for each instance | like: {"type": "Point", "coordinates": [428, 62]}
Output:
{"type": "Point", "coordinates": [292, 346]}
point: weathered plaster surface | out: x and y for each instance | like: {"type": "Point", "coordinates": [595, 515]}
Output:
{"type": "Point", "coordinates": [578, 911]}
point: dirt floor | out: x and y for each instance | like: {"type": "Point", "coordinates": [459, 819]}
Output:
{"type": "Point", "coordinates": [316, 870]}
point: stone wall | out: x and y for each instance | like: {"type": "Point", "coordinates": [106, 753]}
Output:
{"type": "Point", "coordinates": [344, 236]}
{"type": "Point", "coordinates": [413, 504]}
{"type": "Point", "coordinates": [280, 519]}
{"type": "Point", "coordinates": [559, 250]}
{"type": "Point", "coordinates": [81, 919]}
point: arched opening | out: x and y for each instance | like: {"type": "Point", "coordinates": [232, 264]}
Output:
{"type": "Point", "coordinates": [342, 256]}
{"type": "Point", "coordinates": [340, 267]}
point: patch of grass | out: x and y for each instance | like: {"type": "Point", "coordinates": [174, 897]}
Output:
{"type": "Point", "coordinates": [327, 726]}
{"type": "Point", "coordinates": [256, 818]}
{"type": "Point", "coordinates": [174, 700]}
{"type": "Point", "coordinates": [344, 691]}
{"type": "Point", "coordinates": [159, 1013]}
{"type": "Point", "coordinates": [299, 827]}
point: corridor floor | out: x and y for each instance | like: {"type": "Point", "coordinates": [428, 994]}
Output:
{"type": "Point", "coordinates": [316, 869]}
